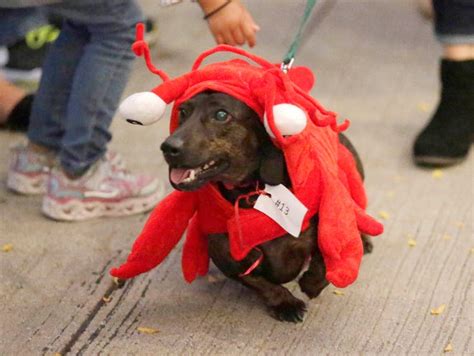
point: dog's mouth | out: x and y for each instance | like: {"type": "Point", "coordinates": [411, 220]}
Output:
{"type": "Point", "coordinates": [184, 178]}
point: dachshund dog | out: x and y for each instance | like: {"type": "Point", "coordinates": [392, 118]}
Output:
{"type": "Point", "coordinates": [221, 140]}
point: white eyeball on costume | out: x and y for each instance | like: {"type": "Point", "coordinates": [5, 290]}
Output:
{"type": "Point", "coordinates": [288, 118]}
{"type": "Point", "coordinates": [143, 108]}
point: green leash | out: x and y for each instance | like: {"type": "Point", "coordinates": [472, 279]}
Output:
{"type": "Point", "coordinates": [290, 55]}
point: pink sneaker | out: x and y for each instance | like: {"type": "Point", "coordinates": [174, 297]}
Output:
{"type": "Point", "coordinates": [28, 170]}
{"type": "Point", "coordinates": [103, 190]}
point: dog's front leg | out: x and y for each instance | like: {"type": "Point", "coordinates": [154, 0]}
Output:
{"type": "Point", "coordinates": [314, 279]}
{"type": "Point", "coordinates": [283, 305]}
{"type": "Point", "coordinates": [367, 243]}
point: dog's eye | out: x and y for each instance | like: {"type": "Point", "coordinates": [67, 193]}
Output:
{"type": "Point", "coordinates": [222, 115]}
{"type": "Point", "coordinates": [183, 112]}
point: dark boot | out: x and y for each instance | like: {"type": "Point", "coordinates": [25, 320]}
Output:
{"type": "Point", "coordinates": [447, 137]}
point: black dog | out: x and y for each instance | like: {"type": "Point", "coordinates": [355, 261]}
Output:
{"type": "Point", "coordinates": [221, 140]}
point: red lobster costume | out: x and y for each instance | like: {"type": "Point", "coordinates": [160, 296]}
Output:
{"type": "Point", "coordinates": [322, 171]}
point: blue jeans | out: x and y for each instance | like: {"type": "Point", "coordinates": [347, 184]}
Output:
{"type": "Point", "coordinates": [454, 21]}
{"type": "Point", "coordinates": [84, 75]}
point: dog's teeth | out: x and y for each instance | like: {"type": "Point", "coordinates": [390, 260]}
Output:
{"type": "Point", "coordinates": [206, 166]}
{"type": "Point", "coordinates": [211, 163]}
{"type": "Point", "coordinates": [192, 174]}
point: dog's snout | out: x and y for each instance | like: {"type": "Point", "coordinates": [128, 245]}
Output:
{"type": "Point", "coordinates": [173, 146]}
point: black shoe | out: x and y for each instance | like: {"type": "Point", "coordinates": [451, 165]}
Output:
{"type": "Point", "coordinates": [151, 31]}
{"type": "Point", "coordinates": [447, 138]}
{"type": "Point", "coordinates": [19, 118]}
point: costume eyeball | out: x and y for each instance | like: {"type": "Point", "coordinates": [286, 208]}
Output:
{"type": "Point", "coordinates": [289, 119]}
{"type": "Point", "coordinates": [144, 108]}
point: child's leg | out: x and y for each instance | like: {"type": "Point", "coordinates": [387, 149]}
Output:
{"type": "Point", "coordinates": [49, 112]}
{"type": "Point", "coordinates": [104, 32]}
{"type": "Point", "coordinates": [82, 87]}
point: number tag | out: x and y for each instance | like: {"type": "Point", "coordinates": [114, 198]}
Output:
{"type": "Point", "coordinates": [282, 207]}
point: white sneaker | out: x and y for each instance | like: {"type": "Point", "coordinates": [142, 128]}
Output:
{"type": "Point", "coordinates": [28, 170]}
{"type": "Point", "coordinates": [103, 190]}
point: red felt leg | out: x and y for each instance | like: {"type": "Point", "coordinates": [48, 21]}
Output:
{"type": "Point", "coordinates": [161, 233]}
{"type": "Point", "coordinates": [195, 259]}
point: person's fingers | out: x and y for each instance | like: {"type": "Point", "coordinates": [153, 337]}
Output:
{"type": "Point", "coordinates": [249, 19]}
{"type": "Point", "coordinates": [219, 39]}
{"type": "Point", "coordinates": [238, 36]}
{"type": "Point", "coordinates": [249, 34]}
{"type": "Point", "coordinates": [228, 38]}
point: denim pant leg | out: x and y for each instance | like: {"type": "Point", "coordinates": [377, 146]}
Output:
{"type": "Point", "coordinates": [15, 23]}
{"type": "Point", "coordinates": [454, 21]}
{"type": "Point", "coordinates": [49, 111]}
{"type": "Point", "coordinates": [97, 78]}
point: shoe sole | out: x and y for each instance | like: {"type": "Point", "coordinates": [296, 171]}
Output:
{"type": "Point", "coordinates": [17, 75]}
{"type": "Point", "coordinates": [25, 185]}
{"type": "Point", "coordinates": [78, 210]}
{"type": "Point", "coordinates": [3, 56]}
{"type": "Point", "coordinates": [432, 161]}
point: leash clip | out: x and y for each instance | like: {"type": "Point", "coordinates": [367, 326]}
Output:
{"type": "Point", "coordinates": [285, 67]}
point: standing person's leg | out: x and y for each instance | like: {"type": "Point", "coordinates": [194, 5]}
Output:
{"type": "Point", "coordinates": [88, 182]}
{"type": "Point", "coordinates": [15, 105]}
{"type": "Point", "coordinates": [49, 112]}
{"type": "Point", "coordinates": [447, 137]}
{"type": "Point", "coordinates": [30, 166]}
{"type": "Point", "coordinates": [99, 78]}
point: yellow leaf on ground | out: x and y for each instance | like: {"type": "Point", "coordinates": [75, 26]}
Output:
{"type": "Point", "coordinates": [107, 299]}
{"type": "Point", "coordinates": [57, 354]}
{"type": "Point", "coordinates": [338, 292]}
{"type": "Point", "coordinates": [384, 215]}
{"type": "Point", "coordinates": [459, 224]}
{"type": "Point", "coordinates": [145, 330]}
{"type": "Point", "coordinates": [119, 283]}
{"type": "Point", "coordinates": [390, 194]}
{"type": "Point", "coordinates": [398, 178]}
{"type": "Point", "coordinates": [448, 348]}
{"type": "Point", "coordinates": [439, 310]}
{"type": "Point", "coordinates": [437, 173]}
{"type": "Point", "coordinates": [472, 250]}
{"type": "Point", "coordinates": [447, 237]}
{"type": "Point", "coordinates": [424, 107]}
{"type": "Point", "coordinates": [411, 242]}
{"type": "Point", "coordinates": [7, 247]}
{"type": "Point", "coordinates": [211, 279]}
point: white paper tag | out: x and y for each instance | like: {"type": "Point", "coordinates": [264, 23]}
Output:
{"type": "Point", "coordinates": [282, 207]}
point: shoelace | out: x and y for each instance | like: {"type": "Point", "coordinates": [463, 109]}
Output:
{"type": "Point", "coordinates": [37, 38]}
{"type": "Point", "coordinates": [122, 173]}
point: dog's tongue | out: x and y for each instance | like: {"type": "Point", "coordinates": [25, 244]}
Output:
{"type": "Point", "coordinates": [177, 175]}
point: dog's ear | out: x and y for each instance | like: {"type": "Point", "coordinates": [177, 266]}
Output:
{"type": "Point", "coordinates": [273, 166]}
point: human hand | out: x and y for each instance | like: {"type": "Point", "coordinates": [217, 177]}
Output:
{"type": "Point", "coordinates": [231, 25]}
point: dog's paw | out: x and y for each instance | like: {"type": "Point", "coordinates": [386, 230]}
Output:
{"type": "Point", "coordinates": [367, 243]}
{"type": "Point", "coordinates": [312, 286]}
{"type": "Point", "coordinates": [292, 310]}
